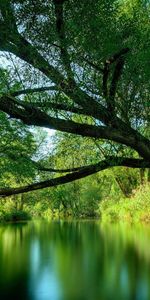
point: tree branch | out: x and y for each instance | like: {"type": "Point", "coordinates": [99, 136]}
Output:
{"type": "Point", "coordinates": [38, 166]}
{"type": "Point", "coordinates": [59, 13]}
{"type": "Point", "coordinates": [51, 170]}
{"type": "Point", "coordinates": [84, 172]}
{"type": "Point", "coordinates": [110, 95]}
{"type": "Point", "coordinates": [61, 106]}
{"type": "Point", "coordinates": [93, 65]}
{"type": "Point", "coordinates": [34, 90]}
{"type": "Point", "coordinates": [120, 132]}
{"type": "Point", "coordinates": [105, 80]}
{"type": "Point", "coordinates": [113, 87]}
{"type": "Point", "coordinates": [20, 47]}
{"type": "Point", "coordinates": [28, 53]}
{"type": "Point", "coordinates": [117, 55]}
{"type": "Point", "coordinates": [33, 116]}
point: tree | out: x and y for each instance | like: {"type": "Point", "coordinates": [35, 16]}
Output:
{"type": "Point", "coordinates": [83, 70]}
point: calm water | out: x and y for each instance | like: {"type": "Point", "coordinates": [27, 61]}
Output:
{"type": "Point", "coordinates": [74, 261]}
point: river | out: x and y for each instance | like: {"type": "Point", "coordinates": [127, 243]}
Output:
{"type": "Point", "coordinates": [78, 260]}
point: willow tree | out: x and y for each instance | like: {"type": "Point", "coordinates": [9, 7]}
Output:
{"type": "Point", "coordinates": [83, 69]}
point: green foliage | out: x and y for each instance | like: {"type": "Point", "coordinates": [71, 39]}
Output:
{"type": "Point", "coordinates": [9, 213]}
{"type": "Point", "coordinates": [94, 32]}
{"type": "Point", "coordinates": [17, 145]}
{"type": "Point", "coordinates": [136, 208]}
{"type": "Point", "coordinates": [14, 216]}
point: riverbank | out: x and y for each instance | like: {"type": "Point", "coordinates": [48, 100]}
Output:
{"type": "Point", "coordinates": [133, 209]}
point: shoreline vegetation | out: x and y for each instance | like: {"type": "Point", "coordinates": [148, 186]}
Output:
{"type": "Point", "coordinates": [135, 208]}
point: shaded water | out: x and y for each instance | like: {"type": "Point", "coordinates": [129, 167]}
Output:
{"type": "Point", "coordinates": [82, 260]}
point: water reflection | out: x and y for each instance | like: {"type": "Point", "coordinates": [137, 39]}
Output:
{"type": "Point", "coordinates": [74, 261]}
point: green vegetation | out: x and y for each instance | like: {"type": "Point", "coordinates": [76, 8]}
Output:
{"type": "Point", "coordinates": [9, 212]}
{"type": "Point", "coordinates": [74, 109]}
{"type": "Point", "coordinates": [133, 209]}
{"type": "Point", "coordinates": [97, 196]}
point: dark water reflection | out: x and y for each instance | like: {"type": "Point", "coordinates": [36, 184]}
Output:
{"type": "Point", "coordinates": [74, 261]}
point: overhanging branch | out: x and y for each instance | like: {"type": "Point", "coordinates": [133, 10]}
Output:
{"type": "Point", "coordinates": [33, 116]}
{"type": "Point", "coordinates": [36, 164]}
{"type": "Point", "coordinates": [84, 172]}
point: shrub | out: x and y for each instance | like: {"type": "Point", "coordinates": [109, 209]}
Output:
{"type": "Point", "coordinates": [136, 208]}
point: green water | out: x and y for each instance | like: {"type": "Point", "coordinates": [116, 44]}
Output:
{"type": "Point", "coordinates": [82, 260]}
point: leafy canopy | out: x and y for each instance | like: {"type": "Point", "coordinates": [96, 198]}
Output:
{"type": "Point", "coordinates": [82, 68]}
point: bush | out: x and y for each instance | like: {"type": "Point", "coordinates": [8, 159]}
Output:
{"type": "Point", "coordinates": [136, 208]}
{"type": "Point", "coordinates": [13, 216]}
